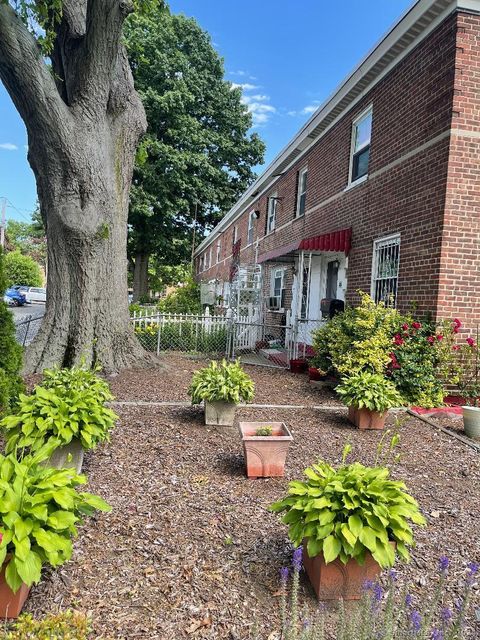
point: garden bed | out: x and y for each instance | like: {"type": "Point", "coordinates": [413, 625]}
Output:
{"type": "Point", "coordinates": [273, 386]}
{"type": "Point", "coordinates": [190, 551]}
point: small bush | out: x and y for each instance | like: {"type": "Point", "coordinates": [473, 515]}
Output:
{"type": "Point", "coordinates": [185, 299]}
{"type": "Point", "coordinates": [366, 390]}
{"type": "Point", "coordinates": [67, 625]}
{"type": "Point", "coordinates": [10, 353]}
{"type": "Point", "coordinates": [221, 382]}
{"type": "Point", "coordinates": [69, 404]}
{"type": "Point", "coordinates": [20, 269]}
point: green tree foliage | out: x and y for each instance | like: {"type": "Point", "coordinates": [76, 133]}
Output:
{"type": "Point", "coordinates": [10, 353]}
{"type": "Point", "coordinates": [185, 299]}
{"type": "Point", "coordinates": [20, 269]}
{"type": "Point", "coordinates": [28, 238]}
{"type": "Point", "coordinates": [197, 156]}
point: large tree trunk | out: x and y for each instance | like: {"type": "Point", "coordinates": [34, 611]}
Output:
{"type": "Point", "coordinates": [83, 121]}
{"type": "Point", "coordinates": [140, 276]}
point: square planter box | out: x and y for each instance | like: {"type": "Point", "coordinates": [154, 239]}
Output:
{"type": "Point", "coordinates": [60, 457]}
{"type": "Point", "coordinates": [11, 604]}
{"type": "Point", "coordinates": [335, 580]}
{"type": "Point", "coordinates": [220, 413]}
{"type": "Point", "coordinates": [265, 455]}
{"type": "Point", "coordinates": [298, 365]}
{"type": "Point", "coordinates": [366, 419]}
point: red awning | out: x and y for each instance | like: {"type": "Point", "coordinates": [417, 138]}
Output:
{"type": "Point", "coordinates": [340, 241]}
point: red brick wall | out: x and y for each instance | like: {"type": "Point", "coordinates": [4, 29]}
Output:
{"type": "Point", "coordinates": [459, 293]}
{"type": "Point", "coordinates": [412, 106]}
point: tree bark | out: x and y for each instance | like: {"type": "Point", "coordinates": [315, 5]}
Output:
{"type": "Point", "coordinates": [140, 276]}
{"type": "Point", "coordinates": [83, 122]}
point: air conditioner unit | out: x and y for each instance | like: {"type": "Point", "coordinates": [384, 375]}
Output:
{"type": "Point", "coordinates": [274, 302]}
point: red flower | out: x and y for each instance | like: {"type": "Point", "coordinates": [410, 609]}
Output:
{"type": "Point", "coordinates": [416, 325]}
{"type": "Point", "coordinates": [471, 342]}
{"type": "Point", "coordinates": [405, 327]}
{"type": "Point", "coordinates": [394, 362]}
{"type": "Point", "coordinates": [398, 340]}
{"type": "Point", "coordinates": [455, 347]}
{"type": "Point", "coordinates": [457, 322]}
{"type": "Point", "coordinates": [439, 337]}
{"type": "Point", "coordinates": [431, 339]}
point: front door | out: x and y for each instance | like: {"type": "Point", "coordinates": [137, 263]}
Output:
{"type": "Point", "coordinates": [332, 279]}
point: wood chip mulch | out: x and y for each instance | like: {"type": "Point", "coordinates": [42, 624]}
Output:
{"type": "Point", "coordinates": [190, 549]}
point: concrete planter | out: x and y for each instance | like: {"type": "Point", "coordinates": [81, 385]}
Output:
{"type": "Point", "coordinates": [220, 413]}
{"type": "Point", "coordinates": [335, 580]}
{"type": "Point", "coordinates": [60, 457]}
{"type": "Point", "coordinates": [265, 455]}
{"type": "Point", "coordinates": [11, 604]}
{"type": "Point", "coordinates": [365, 419]}
{"type": "Point", "coordinates": [471, 422]}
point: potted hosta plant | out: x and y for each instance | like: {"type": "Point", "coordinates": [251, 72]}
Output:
{"type": "Point", "coordinates": [265, 447]}
{"type": "Point", "coordinates": [469, 386]}
{"type": "Point", "coordinates": [351, 521]}
{"type": "Point", "coordinates": [68, 410]}
{"type": "Point", "coordinates": [368, 396]}
{"type": "Point", "coordinates": [40, 510]}
{"type": "Point", "coordinates": [221, 385]}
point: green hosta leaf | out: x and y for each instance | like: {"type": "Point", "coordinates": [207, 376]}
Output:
{"type": "Point", "coordinates": [368, 538]}
{"type": "Point", "coordinates": [39, 512]}
{"type": "Point", "coordinates": [22, 528]}
{"type": "Point", "coordinates": [355, 524]}
{"type": "Point", "coordinates": [384, 554]}
{"type": "Point", "coordinates": [331, 548]}
{"type": "Point", "coordinates": [321, 503]}
{"type": "Point", "coordinates": [6, 469]}
{"type": "Point", "coordinates": [62, 519]}
{"type": "Point", "coordinates": [325, 517]}
{"type": "Point", "coordinates": [12, 576]}
{"type": "Point", "coordinates": [314, 547]}
{"type": "Point", "coordinates": [30, 568]}
{"type": "Point", "coordinates": [403, 551]}
{"type": "Point", "coordinates": [323, 532]}
{"type": "Point", "coordinates": [22, 547]}
{"type": "Point", "coordinates": [348, 535]}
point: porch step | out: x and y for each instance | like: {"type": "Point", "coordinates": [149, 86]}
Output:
{"type": "Point", "coordinates": [277, 356]}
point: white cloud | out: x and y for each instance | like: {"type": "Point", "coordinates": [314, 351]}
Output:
{"type": "Point", "coordinates": [245, 86]}
{"type": "Point", "coordinates": [8, 146]}
{"type": "Point", "coordinates": [310, 108]}
{"type": "Point", "coordinates": [242, 74]}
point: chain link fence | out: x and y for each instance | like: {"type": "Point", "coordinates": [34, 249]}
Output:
{"type": "Point", "coordinates": [27, 328]}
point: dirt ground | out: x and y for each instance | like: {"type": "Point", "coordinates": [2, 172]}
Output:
{"type": "Point", "coordinates": [190, 549]}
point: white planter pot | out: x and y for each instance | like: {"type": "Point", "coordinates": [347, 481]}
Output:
{"type": "Point", "coordinates": [60, 457]}
{"type": "Point", "coordinates": [220, 413]}
{"type": "Point", "coordinates": [471, 422]}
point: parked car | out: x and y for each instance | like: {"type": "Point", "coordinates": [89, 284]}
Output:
{"type": "Point", "coordinates": [17, 297]}
{"type": "Point", "coordinates": [36, 294]}
{"type": "Point", "coordinates": [23, 288]}
{"type": "Point", "coordinates": [8, 300]}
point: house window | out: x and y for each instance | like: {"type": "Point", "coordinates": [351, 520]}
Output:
{"type": "Point", "coordinates": [251, 219]}
{"type": "Point", "coordinates": [277, 288]}
{"type": "Point", "coordinates": [271, 213]}
{"type": "Point", "coordinates": [385, 266]}
{"type": "Point", "coordinates": [360, 155]}
{"type": "Point", "coordinates": [302, 192]}
{"type": "Point", "coordinates": [219, 251]}
{"type": "Point", "coordinates": [305, 291]}
{"type": "Point", "coordinates": [234, 236]}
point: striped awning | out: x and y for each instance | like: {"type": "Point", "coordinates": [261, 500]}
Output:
{"type": "Point", "coordinates": [339, 241]}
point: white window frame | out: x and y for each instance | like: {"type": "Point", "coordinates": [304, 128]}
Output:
{"type": "Point", "coordinates": [272, 213]}
{"type": "Point", "coordinates": [235, 235]}
{"type": "Point", "coordinates": [219, 250]}
{"type": "Point", "coordinates": [368, 111]}
{"type": "Point", "coordinates": [273, 277]}
{"type": "Point", "coordinates": [380, 245]}
{"type": "Point", "coordinates": [303, 172]}
{"type": "Point", "coordinates": [251, 227]}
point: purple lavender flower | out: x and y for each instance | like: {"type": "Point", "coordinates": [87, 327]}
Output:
{"type": "Point", "coordinates": [306, 624]}
{"type": "Point", "coordinates": [443, 564]}
{"type": "Point", "coordinates": [415, 621]}
{"type": "Point", "coordinates": [368, 585]}
{"type": "Point", "coordinates": [473, 568]}
{"type": "Point", "coordinates": [437, 634]}
{"type": "Point", "coordinates": [392, 574]}
{"type": "Point", "coordinates": [297, 559]}
{"type": "Point", "coordinates": [284, 575]}
{"type": "Point", "coordinates": [408, 600]}
{"type": "Point", "coordinates": [377, 592]}
{"type": "Point", "coordinates": [459, 604]}
{"type": "Point", "coordinates": [446, 615]}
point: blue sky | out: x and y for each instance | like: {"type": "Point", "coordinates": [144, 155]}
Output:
{"type": "Point", "coordinates": [289, 56]}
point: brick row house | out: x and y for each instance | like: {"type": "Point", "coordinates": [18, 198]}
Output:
{"type": "Point", "coordinates": [379, 191]}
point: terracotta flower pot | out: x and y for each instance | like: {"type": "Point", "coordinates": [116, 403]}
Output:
{"type": "Point", "coordinates": [220, 413]}
{"type": "Point", "coordinates": [298, 365]}
{"type": "Point", "coordinates": [366, 419]}
{"type": "Point", "coordinates": [335, 580]}
{"type": "Point", "coordinates": [11, 604]}
{"type": "Point", "coordinates": [265, 455]}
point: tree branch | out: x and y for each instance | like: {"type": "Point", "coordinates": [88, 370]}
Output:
{"type": "Point", "coordinates": [102, 44]}
{"type": "Point", "coordinates": [25, 75]}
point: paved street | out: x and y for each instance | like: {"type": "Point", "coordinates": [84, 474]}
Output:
{"type": "Point", "coordinates": [34, 310]}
